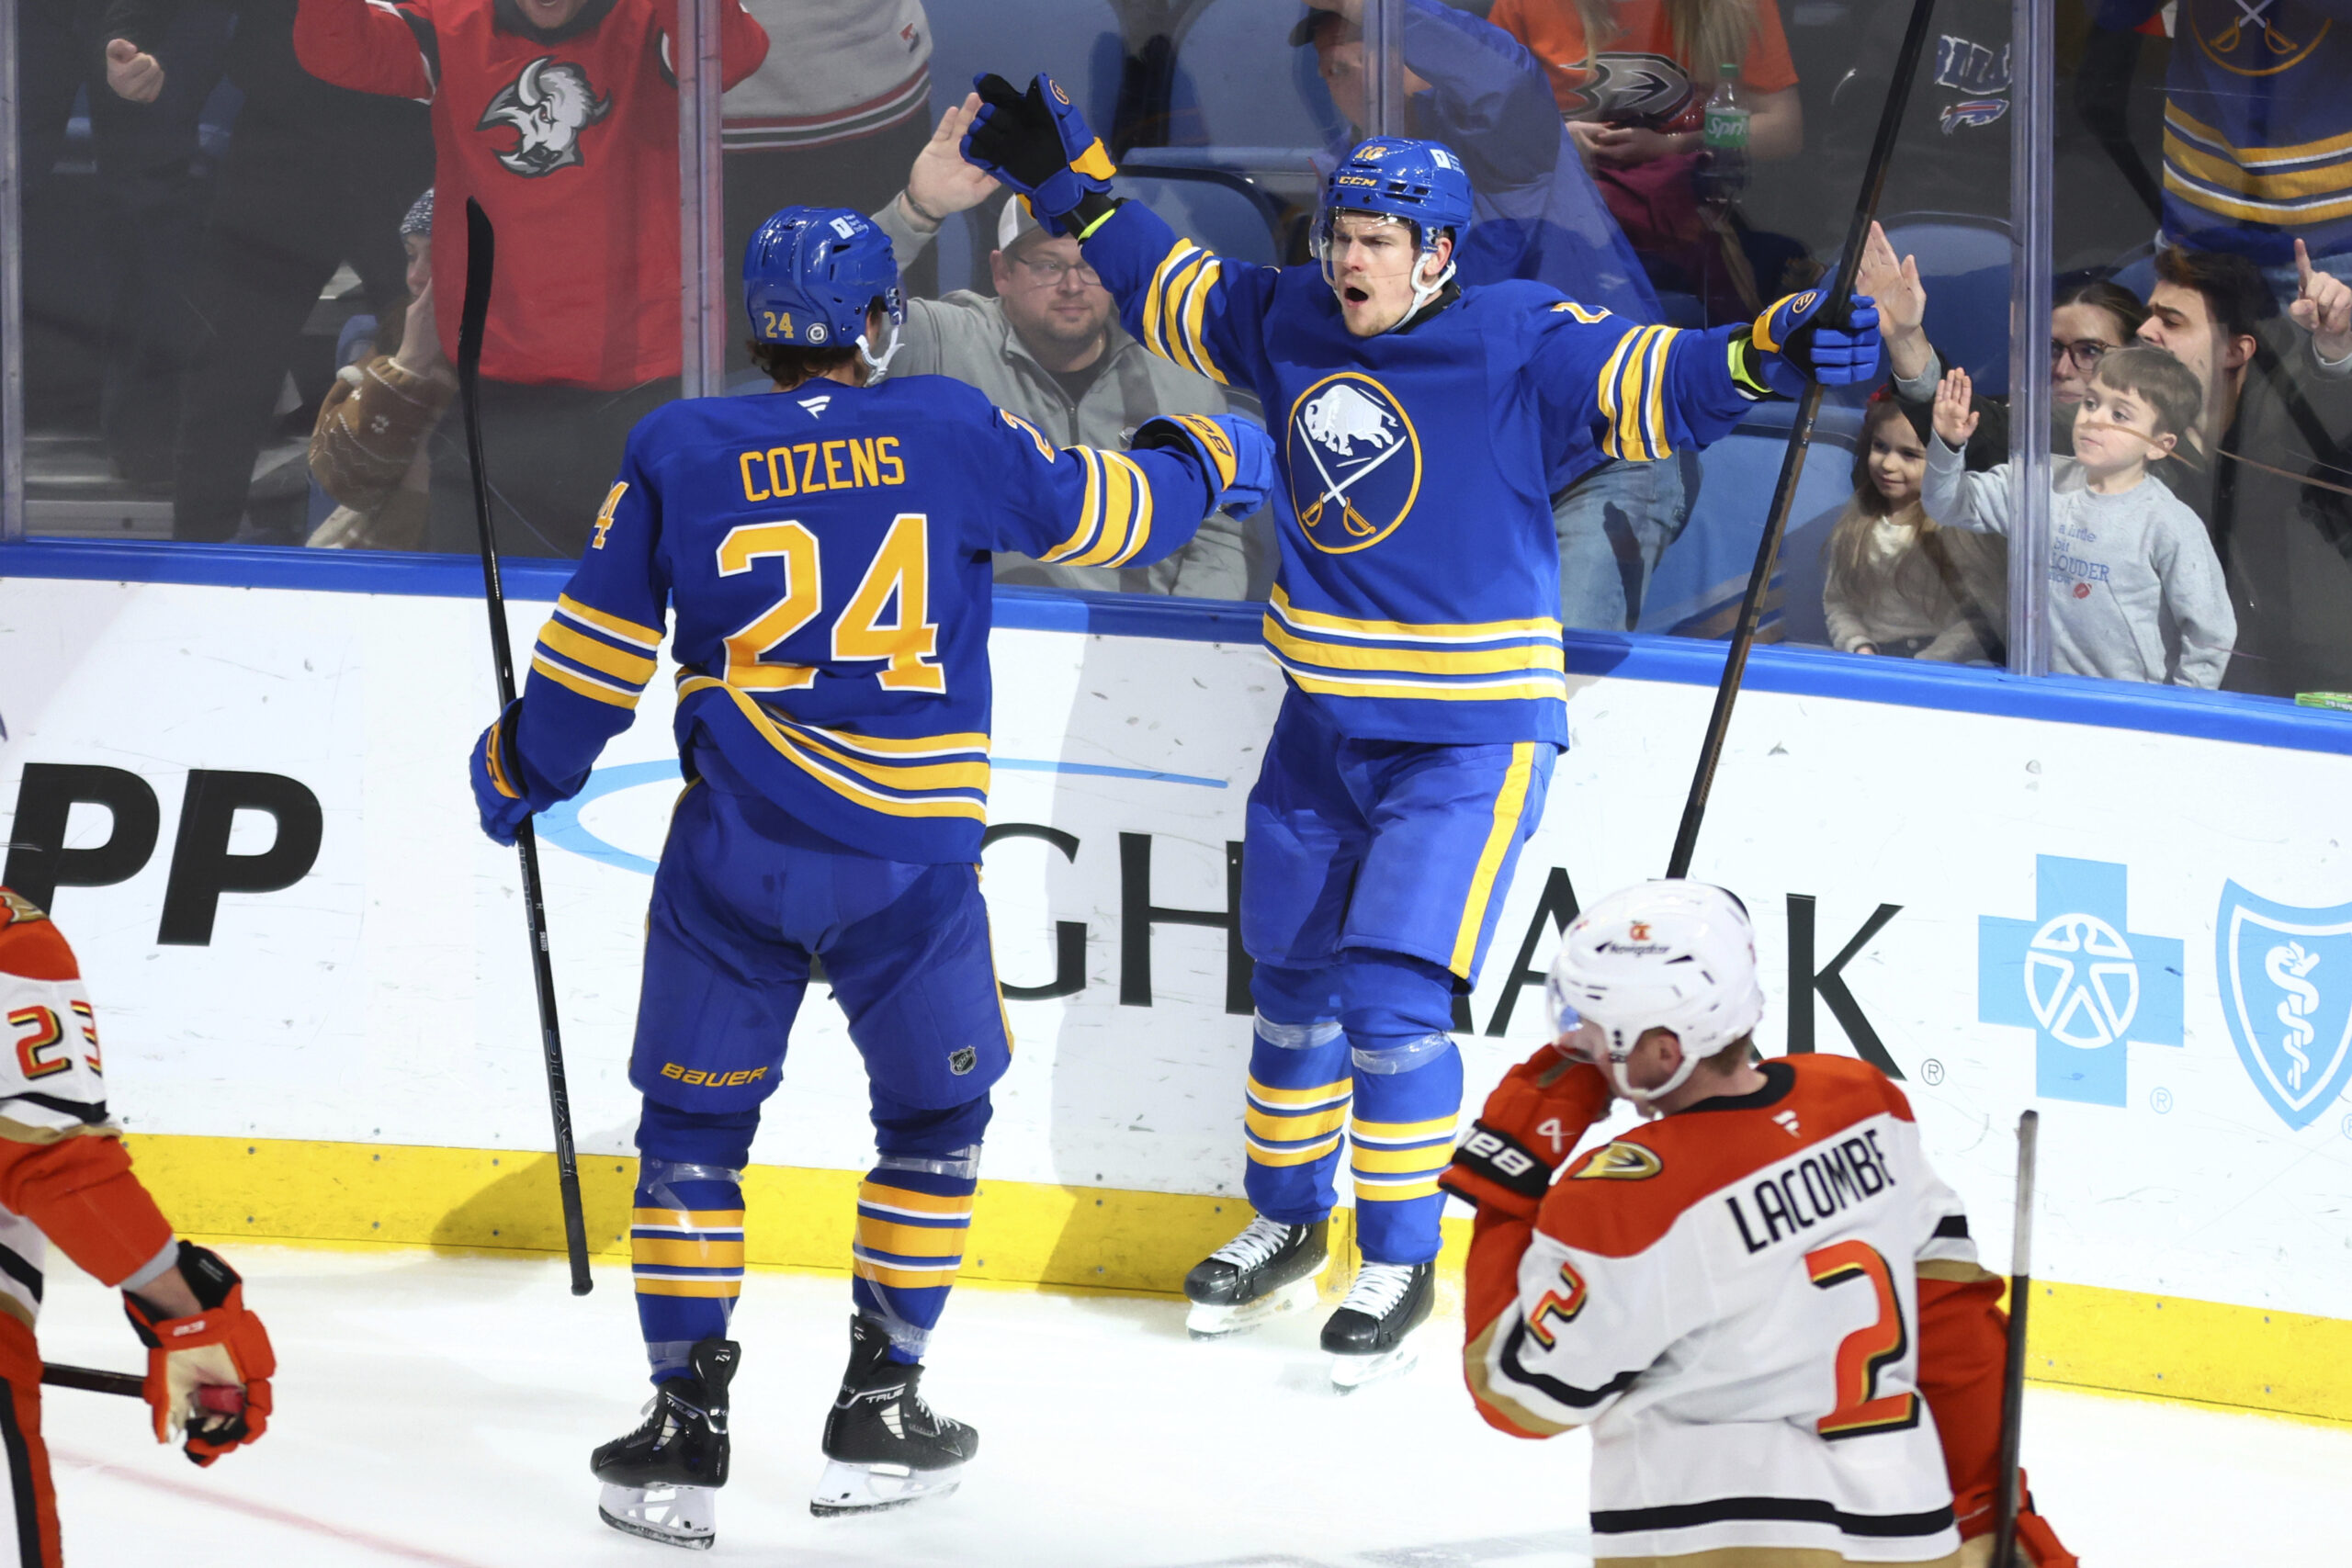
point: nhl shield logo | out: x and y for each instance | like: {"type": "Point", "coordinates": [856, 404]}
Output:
{"type": "Point", "coordinates": [2287, 993]}
{"type": "Point", "coordinates": [1354, 462]}
{"type": "Point", "coordinates": [963, 1059]}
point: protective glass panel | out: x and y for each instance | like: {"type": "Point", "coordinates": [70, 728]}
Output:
{"type": "Point", "coordinates": [240, 310]}
{"type": "Point", "coordinates": [1736, 174]}
{"type": "Point", "coordinates": [2204, 210]}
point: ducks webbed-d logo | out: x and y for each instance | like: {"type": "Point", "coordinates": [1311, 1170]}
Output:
{"type": "Point", "coordinates": [1354, 462]}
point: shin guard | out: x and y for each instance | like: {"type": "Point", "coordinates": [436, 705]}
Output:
{"type": "Point", "coordinates": [1299, 1093]}
{"type": "Point", "coordinates": [686, 1230]}
{"type": "Point", "coordinates": [914, 1211]}
{"type": "Point", "coordinates": [1408, 1099]}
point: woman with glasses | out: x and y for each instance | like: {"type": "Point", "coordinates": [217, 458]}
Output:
{"type": "Point", "coordinates": [2089, 316]}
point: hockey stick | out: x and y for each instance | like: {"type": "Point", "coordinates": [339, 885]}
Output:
{"type": "Point", "coordinates": [1784, 494]}
{"type": "Point", "coordinates": [91, 1381]}
{"type": "Point", "coordinates": [2006, 1502]}
{"type": "Point", "coordinates": [482, 246]}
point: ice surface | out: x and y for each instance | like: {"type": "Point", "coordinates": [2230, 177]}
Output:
{"type": "Point", "coordinates": [440, 1411]}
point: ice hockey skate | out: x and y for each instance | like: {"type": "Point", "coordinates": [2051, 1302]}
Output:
{"type": "Point", "coordinates": [1269, 1269]}
{"type": "Point", "coordinates": [662, 1481]}
{"type": "Point", "coordinates": [1371, 1336]}
{"type": "Point", "coordinates": [884, 1448]}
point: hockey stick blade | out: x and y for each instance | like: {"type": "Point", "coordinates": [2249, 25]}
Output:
{"type": "Point", "coordinates": [2010, 1498]}
{"type": "Point", "coordinates": [90, 1380]}
{"type": "Point", "coordinates": [481, 251]}
{"type": "Point", "coordinates": [1784, 492]}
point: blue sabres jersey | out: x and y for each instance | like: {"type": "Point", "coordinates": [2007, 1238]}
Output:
{"type": "Point", "coordinates": [2258, 141]}
{"type": "Point", "coordinates": [1418, 592]}
{"type": "Point", "coordinates": [826, 552]}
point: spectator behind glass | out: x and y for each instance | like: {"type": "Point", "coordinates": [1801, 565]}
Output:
{"type": "Point", "coordinates": [1633, 79]}
{"type": "Point", "coordinates": [147, 203]}
{"type": "Point", "coordinates": [1898, 583]}
{"type": "Point", "coordinates": [2088, 317]}
{"type": "Point", "coordinates": [561, 118]}
{"type": "Point", "coordinates": [2275, 437]}
{"type": "Point", "coordinates": [831, 119]}
{"type": "Point", "coordinates": [1050, 349]}
{"type": "Point", "coordinates": [2257, 138]}
{"type": "Point", "coordinates": [368, 450]}
{"type": "Point", "coordinates": [1536, 214]}
{"type": "Point", "coordinates": [2135, 593]}
{"type": "Point", "coordinates": [315, 177]}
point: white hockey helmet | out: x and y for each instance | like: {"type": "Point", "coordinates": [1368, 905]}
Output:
{"type": "Point", "coordinates": [1672, 954]}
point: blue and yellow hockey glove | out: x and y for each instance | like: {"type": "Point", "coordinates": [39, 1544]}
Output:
{"type": "Point", "coordinates": [1796, 346]}
{"type": "Point", "coordinates": [1038, 143]}
{"type": "Point", "coordinates": [497, 772]}
{"type": "Point", "coordinates": [1239, 450]}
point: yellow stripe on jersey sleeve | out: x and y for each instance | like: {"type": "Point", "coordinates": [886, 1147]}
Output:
{"type": "Point", "coordinates": [646, 638]}
{"type": "Point", "coordinates": [1120, 479]}
{"type": "Point", "coordinates": [636, 668]}
{"type": "Point", "coordinates": [1195, 312]}
{"type": "Point", "coordinates": [587, 686]}
{"type": "Point", "coordinates": [1090, 508]}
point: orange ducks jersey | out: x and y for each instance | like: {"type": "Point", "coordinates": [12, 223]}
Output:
{"type": "Point", "coordinates": [63, 1173]}
{"type": "Point", "coordinates": [1730, 1298]}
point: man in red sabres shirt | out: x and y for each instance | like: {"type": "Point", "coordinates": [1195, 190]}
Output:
{"type": "Point", "coordinates": [561, 118]}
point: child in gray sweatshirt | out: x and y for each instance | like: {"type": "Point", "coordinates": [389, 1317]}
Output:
{"type": "Point", "coordinates": [2135, 590]}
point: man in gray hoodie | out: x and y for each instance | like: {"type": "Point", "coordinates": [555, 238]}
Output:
{"type": "Point", "coordinates": [1049, 347]}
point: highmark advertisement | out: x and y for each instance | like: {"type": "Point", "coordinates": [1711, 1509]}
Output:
{"type": "Point", "coordinates": [249, 811]}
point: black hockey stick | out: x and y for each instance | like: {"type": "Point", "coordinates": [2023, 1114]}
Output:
{"type": "Point", "coordinates": [1784, 494]}
{"type": "Point", "coordinates": [2009, 1499]}
{"type": "Point", "coordinates": [93, 1381]}
{"type": "Point", "coordinates": [481, 248]}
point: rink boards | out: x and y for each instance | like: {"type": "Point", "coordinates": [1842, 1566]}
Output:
{"type": "Point", "coordinates": [2133, 912]}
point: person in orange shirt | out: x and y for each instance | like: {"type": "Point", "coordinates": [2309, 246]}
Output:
{"type": "Point", "coordinates": [65, 1177]}
{"type": "Point", "coordinates": [1632, 80]}
{"type": "Point", "coordinates": [1640, 94]}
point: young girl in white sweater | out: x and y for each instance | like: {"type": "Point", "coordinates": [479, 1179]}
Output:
{"type": "Point", "coordinates": [1897, 582]}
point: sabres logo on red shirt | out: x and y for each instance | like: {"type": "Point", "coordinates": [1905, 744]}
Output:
{"type": "Point", "coordinates": [1354, 462]}
{"type": "Point", "coordinates": [547, 106]}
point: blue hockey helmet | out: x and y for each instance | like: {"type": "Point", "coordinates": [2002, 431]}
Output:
{"type": "Point", "coordinates": [1415, 182]}
{"type": "Point", "coordinates": [809, 275]}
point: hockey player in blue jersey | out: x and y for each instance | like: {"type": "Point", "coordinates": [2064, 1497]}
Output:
{"type": "Point", "coordinates": [825, 552]}
{"type": "Point", "coordinates": [1416, 615]}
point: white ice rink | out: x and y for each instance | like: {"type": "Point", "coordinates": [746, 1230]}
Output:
{"type": "Point", "coordinates": [440, 1411]}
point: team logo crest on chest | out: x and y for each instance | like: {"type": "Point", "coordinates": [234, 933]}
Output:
{"type": "Point", "coordinates": [1354, 462]}
{"type": "Point", "coordinates": [547, 106]}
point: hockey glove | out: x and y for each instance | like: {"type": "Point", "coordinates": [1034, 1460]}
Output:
{"type": "Point", "coordinates": [207, 1374]}
{"type": "Point", "coordinates": [1038, 143]}
{"type": "Point", "coordinates": [497, 775]}
{"type": "Point", "coordinates": [1526, 1132]}
{"type": "Point", "coordinates": [1238, 451]}
{"type": "Point", "coordinates": [1794, 344]}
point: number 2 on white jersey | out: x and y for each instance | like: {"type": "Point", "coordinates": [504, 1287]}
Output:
{"type": "Point", "coordinates": [899, 573]}
{"type": "Point", "coordinates": [1861, 1409]}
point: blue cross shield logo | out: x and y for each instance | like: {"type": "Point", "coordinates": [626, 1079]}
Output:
{"type": "Point", "coordinates": [2084, 983]}
{"type": "Point", "coordinates": [2286, 994]}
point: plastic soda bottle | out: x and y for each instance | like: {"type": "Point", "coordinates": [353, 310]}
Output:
{"type": "Point", "coordinates": [1723, 173]}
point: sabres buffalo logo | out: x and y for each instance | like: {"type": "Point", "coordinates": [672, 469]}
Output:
{"type": "Point", "coordinates": [547, 106]}
{"type": "Point", "coordinates": [1354, 462]}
